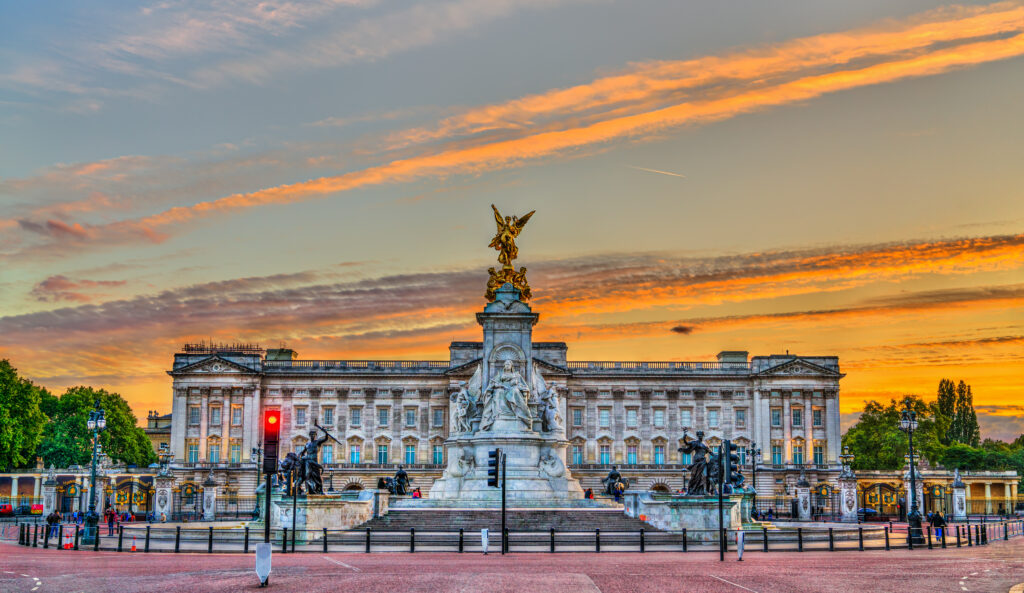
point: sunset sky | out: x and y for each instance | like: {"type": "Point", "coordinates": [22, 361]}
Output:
{"type": "Point", "coordinates": [823, 178]}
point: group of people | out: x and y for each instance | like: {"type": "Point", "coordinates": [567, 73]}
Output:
{"type": "Point", "coordinates": [111, 516]}
{"type": "Point", "coordinates": [762, 515]}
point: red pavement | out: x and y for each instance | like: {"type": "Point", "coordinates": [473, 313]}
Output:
{"type": "Point", "coordinates": [993, 568]}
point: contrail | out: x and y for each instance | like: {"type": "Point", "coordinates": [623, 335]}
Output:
{"type": "Point", "coordinates": [656, 171]}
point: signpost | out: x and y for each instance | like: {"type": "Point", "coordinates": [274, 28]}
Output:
{"type": "Point", "coordinates": [271, 441]}
{"type": "Point", "coordinates": [263, 552]}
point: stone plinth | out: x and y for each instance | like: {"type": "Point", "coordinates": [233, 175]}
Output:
{"type": "Point", "coordinates": [536, 470]}
{"type": "Point", "coordinates": [848, 500]}
{"type": "Point", "coordinates": [959, 503]}
{"type": "Point", "coordinates": [697, 514]}
{"type": "Point", "coordinates": [314, 513]}
{"type": "Point", "coordinates": [164, 496]}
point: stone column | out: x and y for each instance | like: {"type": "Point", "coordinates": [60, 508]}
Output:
{"type": "Point", "coordinates": [920, 490]}
{"type": "Point", "coordinates": [209, 498]}
{"type": "Point", "coordinates": [39, 481]}
{"type": "Point", "coordinates": [988, 498]}
{"type": "Point", "coordinates": [14, 490]}
{"type": "Point", "coordinates": [164, 498]}
{"type": "Point", "coordinates": [787, 429]}
{"type": "Point", "coordinates": [832, 433]}
{"type": "Point", "coordinates": [808, 427]}
{"type": "Point", "coordinates": [803, 497]}
{"type": "Point", "coordinates": [49, 493]}
{"type": "Point", "coordinates": [959, 498]}
{"type": "Point", "coordinates": [848, 498]}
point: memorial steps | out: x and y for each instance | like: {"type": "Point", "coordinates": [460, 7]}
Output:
{"type": "Point", "coordinates": [430, 520]}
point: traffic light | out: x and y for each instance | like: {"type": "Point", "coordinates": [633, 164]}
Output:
{"type": "Point", "coordinates": [732, 465]}
{"type": "Point", "coordinates": [271, 439]}
{"type": "Point", "coordinates": [493, 468]}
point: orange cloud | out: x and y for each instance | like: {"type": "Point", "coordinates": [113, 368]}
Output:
{"type": "Point", "coordinates": [654, 98]}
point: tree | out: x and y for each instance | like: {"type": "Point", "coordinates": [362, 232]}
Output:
{"type": "Point", "coordinates": [877, 441]}
{"type": "Point", "coordinates": [964, 427]}
{"type": "Point", "coordinates": [68, 441]}
{"type": "Point", "coordinates": [21, 420]}
{"type": "Point", "coordinates": [945, 407]}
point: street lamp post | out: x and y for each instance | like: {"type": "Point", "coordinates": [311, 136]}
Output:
{"type": "Point", "coordinates": [97, 423]}
{"type": "Point", "coordinates": [257, 455]}
{"type": "Point", "coordinates": [755, 454]}
{"type": "Point", "coordinates": [908, 424]}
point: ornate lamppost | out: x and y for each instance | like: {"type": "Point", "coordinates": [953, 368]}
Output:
{"type": "Point", "coordinates": [257, 456]}
{"type": "Point", "coordinates": [97, 423]}
{"type": "Point", "coordinates": [908, 424]}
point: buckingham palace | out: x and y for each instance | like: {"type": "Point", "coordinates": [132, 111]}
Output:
{"type": "Point", "coordinates": [631, 414]}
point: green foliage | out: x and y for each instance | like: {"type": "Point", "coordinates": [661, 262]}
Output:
{"type": "Point", "coordinates": [945, 407]}
{"type": "Point", "coordinates": [21, 421]}
{"type": "Point", "coordinates": [964, 426]}
{"type": "Point", "coordinates": [877, 441]}
{"type": "Point", "coordinates": [67, 440]}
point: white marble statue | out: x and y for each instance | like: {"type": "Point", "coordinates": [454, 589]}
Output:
{"type": "Point", "coordinates": [506, 396]}
{"type": "Point", "coordinates": [551, 465]}
{"type": "Point", "coordinates": [547, 403]}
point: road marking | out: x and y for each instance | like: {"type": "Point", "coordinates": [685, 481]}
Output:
{"type": "Point", "coordinates": [24, 575]}
{"type": "Point", "coordinates": [973, 573]}
{"type": "Point", "coordinates": [732, 583]}
{"type": "Point", "coordinates": [339, 562]}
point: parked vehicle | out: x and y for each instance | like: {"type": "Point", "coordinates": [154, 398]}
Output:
{"type": "Point", "coordinates": [6, 509]}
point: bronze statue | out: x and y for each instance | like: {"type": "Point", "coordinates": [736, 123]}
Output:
{"type": "Point", "coordinates": [504, 240]}
{"type": "Point", "coordinates": [704, 470]}
{"type": "Point", "coordinates": [401, 482]}
{"type": "Point", "coordinates": [307, 473]}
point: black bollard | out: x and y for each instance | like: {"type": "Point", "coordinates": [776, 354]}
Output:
{"type": "Point", "coordinates": [46, 538]}
{"type": "Point", "coordinates": [958, 536]}
{"type": "Point", "coordinates": [325, 540]}
{"type": "Point", "coordinates": [367, 540]}
{"type": "Point", "coordinates": [60, 536]}
{"type": "Point", "coordinates": [764, 538]}
{"type": "Point", "coordinates": [284, 540]}
{"type": "Point", "coordinates": [146, 549]}
{"type": "Point", "coordinates": [412, 539]}
{"type": "Point", "coordinates": [799, 539]}
{"type": "Point", "coordinates": [120, 537]}
{"type": "Point", "coordinates": [209, 544]}
{"type": "Point", "coordinates": [245, 546]}
{"type": "Point", "coordinates": [641, 539]}
{"type": "Point", "coordinates": [860, 539]}
{"type": "Point", "coordinates": [78, 533]}
{"type": "Point", "coordinates": [886, 538]}
{"type": "Point", "coordinates": [177, 539]}
{"type": "Point", "coordinates": [684, 539]}
{"type": "Point", "coordinates": [461, 539]}
{"type": "Point", "coordinates": [930, 537]}
{"type": "Point", "coordinates": [35, 536]}
{"type": "Point", "coordinates": [552, 539]}
{"type": "Point", "coordinates": [831, 541]}
{"type": "Point", "coordinates": [597, 539]}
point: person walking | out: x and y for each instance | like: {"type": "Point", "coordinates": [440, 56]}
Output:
{"type": "Point", "coordinates": [111, 516]}
{"type": "Point", "coordinates": [938, 524]}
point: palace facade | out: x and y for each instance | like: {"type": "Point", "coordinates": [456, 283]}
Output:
{"type": "Point", "coordinates": [389, 413]}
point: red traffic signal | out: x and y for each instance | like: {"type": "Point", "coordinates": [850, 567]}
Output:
{"type": "Point", "coordinates": [271, 425]}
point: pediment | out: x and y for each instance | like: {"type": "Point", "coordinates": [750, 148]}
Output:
{"type": "Point", "coordinates": [798, 367]}
{"type": "Point", "coordinates": [214, 365]}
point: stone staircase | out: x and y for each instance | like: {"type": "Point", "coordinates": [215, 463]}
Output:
{"type": "Point", "coordinates": [431, 520]}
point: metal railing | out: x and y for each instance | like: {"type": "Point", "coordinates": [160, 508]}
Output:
{"type": "Point", "coordinates": [615, 365]}
{"type": "Point", "coordinates": [357, 365]}
{"type": "Point", "coordinates": [209, 539]}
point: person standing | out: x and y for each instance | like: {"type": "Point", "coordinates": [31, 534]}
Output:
{"type": "Point", "coordinates": [111, 516]}
{"type": "Point", "coordinates": [938, 524]}
{"type": "Point", "coordinates": [484, 539]}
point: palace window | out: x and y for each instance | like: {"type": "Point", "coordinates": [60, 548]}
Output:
{"type": "Point", "coordinates": [353, 453]}
{"type": "Point", "coordinates": [776, 416]}
{"type": "Point", "coordinates": [631, 418]}
{"type": "Point", "coordinates": [193, 453]}
{"type": "Point", "coordinates": [658, 393]}
{"type": "Point", "coordinates": [410, 416]}
{"type": "Point", "coordinates": [300, 416]}
{"type": "Point", "coordinates": [382, 453]}
{"type": "Point", "coordinates": [687, 459]}
{"type": "Point", "coordinates": [604, 417]}
{"type": "Point", "coordinates": [605, 393]}
{"type": "Point", "coordinates": [713, 418]}
{"type": "Point", "coordinates": [356, 393]}
{"type": "Point", "coordinates": [328, 416]}
{"type": "Point", "coordinates": [213, 452]}
{"type": "Point", "coordinates": [327, 454]}
{"type": "Point", "coordinates": [798, 454]}
{"type": "Point", "coordinates": [236, 415]}
{"type": "Point", "coordinates": [383, 416]}
{"type": "Point", "coordinates": [775, 394]}
{"type": "Point", "coordinates": [631, 393]}
{"type": "Point", "coordinates": [215, 416]}
{"type": "Point", "coordinates": [438, 454]}
{"type": "Point", "coordinates": [742, 451]}
{"type": "Point", "coordinates": [819, 455]}
{"type": "Point", "coordinates": [712, 394]}
{"type": "Point", "coordinates": [798, 417]}
{"type": "Point", "coordinates": [777, 454]}
{"type": "Point", "coordinates": [659, 417]}
{"type": "Point", "coordinates": [236, 453]}
{"type": "Point", "coordinates": [817, 416]}
{"type": "Point", "coordinates": [438, 417]}
{"type": "Point", "coordinates": [659, 454]}
{"type": "Point", "coordinates": [606, 454]}
{"type": "Point", "coordinates": [357, 416]}
{"type": "Point", "coordinates": [577, 416]}
{"type": "Point", "coordinates": [686, 417]}
{"type": "Point", "coordinates": [410, 454]}
{"type": "Point", "coordinates": [631, 454]}
{"type": "Point", "coordinates": [577, 454]}
{"type": "Point", "coordinates": [193, 415]}
{"type": "Point", "coordinates": [577, 393]}
{"type": "Point", "coordinates": [741, 416]}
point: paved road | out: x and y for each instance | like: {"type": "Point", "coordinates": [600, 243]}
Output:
{"type": "Point", "coordinates": [992, 569]}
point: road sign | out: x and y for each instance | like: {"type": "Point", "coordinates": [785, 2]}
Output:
{"type": "Point", "coordinates": [263, 551]}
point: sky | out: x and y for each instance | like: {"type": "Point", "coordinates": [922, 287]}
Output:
{"type": "Point", "coordinates": [826, 178]}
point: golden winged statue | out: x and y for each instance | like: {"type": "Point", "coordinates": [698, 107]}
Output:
{"type": "Point", "coordinates": [504, 240]}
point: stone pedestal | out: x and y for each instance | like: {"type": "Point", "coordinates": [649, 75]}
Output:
{"type": "Point", "coordinates": [848, 500]}
{"type": "Point", "coordinates": [163, 500]}
{"type": "Point", "coordinates": [314, 513]}
{"type": "Point", "coordinates": [919, 493]}
{"type": "Point", "coordinates": [960, 503]}
{"type": "Point", "coordinates": [697, 514]}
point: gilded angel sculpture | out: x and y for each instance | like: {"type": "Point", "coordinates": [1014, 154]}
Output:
{"type": "Point", "coordinates": [504, 240]}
